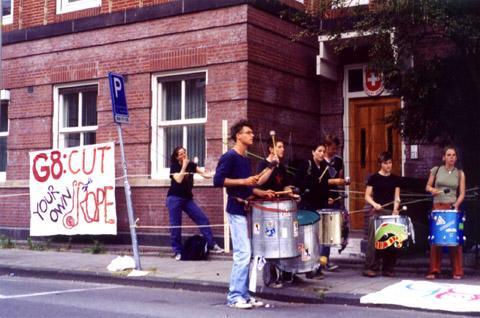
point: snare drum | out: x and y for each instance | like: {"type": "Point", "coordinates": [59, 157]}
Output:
{"type": "Point", "coordinates": [392, 230]}
{"type": "Point", "coordinates": [275, 228]}
{"type": "Point", "coordinates": [446, 228]}
{"type": "Point", "coordinates": [330, 227]}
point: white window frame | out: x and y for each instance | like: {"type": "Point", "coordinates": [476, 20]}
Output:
{"type": "Point", "coordinates": [3, 174]}
{"type": "Point", "coordinates": [63, 6]}
{"type": "Point", "coordinates": [58, 115]}
{"type": "Point", "coordinates": [8, 19]}
{"type": "Point", "coordinates": [159, 171]}
{"type": "Point", "coordinates": [350, 3]}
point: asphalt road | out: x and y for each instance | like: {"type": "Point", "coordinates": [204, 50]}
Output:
{"type": "Point", "coordinates": [31, 297]}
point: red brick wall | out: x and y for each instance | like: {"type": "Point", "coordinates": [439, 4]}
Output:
{"type": "Point", "coordinates": [283, 89]}
{"type": "Point", "coordinates": [30, 13]}
{"type": "Point", "coordinates": [254, 70]}
{"type": "Point", "coordinates": [213, 40]}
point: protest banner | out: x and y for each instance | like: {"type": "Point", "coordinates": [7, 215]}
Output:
{"type": "Point", "coordinates": [72, 191]}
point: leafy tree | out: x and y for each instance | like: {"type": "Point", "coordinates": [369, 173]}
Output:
{"type": "Point", "coordinates": [429, 53]}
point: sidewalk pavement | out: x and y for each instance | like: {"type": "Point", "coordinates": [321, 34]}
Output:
{"type": "Point", "coordinates": [344, 286]}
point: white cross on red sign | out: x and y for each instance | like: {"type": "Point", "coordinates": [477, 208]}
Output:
{"type": "Point", "coordinates": [372, 82]}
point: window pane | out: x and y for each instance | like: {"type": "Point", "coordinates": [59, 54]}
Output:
{"type": "Point", "coordinates": [72, 140]}
{"type": "Point", "coordinates": [172, 95]}
{"type": "Point", "coordinates": [89, 108]}
{"type": "Point", "coordinates": [195, 98]}
{"type": "Point", "coordinates": [355, 80]}
{"type": "Point", "coordinates": [7, 7]}
{"type": "Point", "coordinates": [89, 138]}
{"type": "Point", "coordinates": [173, 138]}
{"type": "Point", "coordinates": [70, 110]}
{"type": "Point", "coordinates": [196, 143]}
{"type": "Point", "coordinates": [3, 154]}
{"type": "Point", "coordinates": [4, 117]}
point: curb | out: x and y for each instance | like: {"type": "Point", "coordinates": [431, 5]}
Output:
{"type": "Point", "coordinates": [282, 295]}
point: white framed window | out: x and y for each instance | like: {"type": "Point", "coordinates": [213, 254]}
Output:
{"type": "Point", "coordinates": [3, 139]}
{"type": "Point", "coordinates": [7, 11]}
{"type": "Point", "coordinates": [65, 6]}
{"type": "Point", "coordinates": [178, 118]}
{"type": "Point", "coordinates": [75, 115]}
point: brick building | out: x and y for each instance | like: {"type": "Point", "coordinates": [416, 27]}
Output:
{"type": "Point", "coordinates": [188, 65]}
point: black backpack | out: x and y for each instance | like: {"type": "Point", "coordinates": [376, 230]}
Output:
{"type": "Point", "coordinates": [195, 249]}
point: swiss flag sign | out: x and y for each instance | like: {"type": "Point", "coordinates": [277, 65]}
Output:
{"type": "Point", "coordinates": [372, 82]}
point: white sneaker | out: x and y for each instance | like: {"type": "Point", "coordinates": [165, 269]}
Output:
{"type": "Point", "coordinates": [255, 303]}
{"type": "Point", "coordinates": [241, 304]}
{"type": "Point", "coordinates": [178, 257]}
{"type": "Point", "coordinates": [216, 249]}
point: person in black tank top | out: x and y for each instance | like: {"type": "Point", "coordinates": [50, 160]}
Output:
{"type": "Point", "coordinates": [180, 198]}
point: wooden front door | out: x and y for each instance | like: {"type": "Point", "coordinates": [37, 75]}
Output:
{"type": "Point", "coordinates": [369, 135]}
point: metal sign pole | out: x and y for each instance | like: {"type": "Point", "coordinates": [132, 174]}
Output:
{"type": "Point", "coordinates": [1, 34]}
{"type": "Point", "coordinates": [128, 198]}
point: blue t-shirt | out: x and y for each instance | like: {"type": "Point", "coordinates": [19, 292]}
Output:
{"type": "Point", "coordinates": [233, 166]}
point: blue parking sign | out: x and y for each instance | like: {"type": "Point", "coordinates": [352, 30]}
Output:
{"type": "Point", "coordinates": [119, 100]}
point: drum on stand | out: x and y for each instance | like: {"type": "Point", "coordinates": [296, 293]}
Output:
{"type": "Point", "coordinates": [330, 227]}
{"type": "Point", "coordinates": [392, 230]}
{"type": "Point", "coordinates": [446, 228]}
{"type": "Point", "coordinates": [275, 231]}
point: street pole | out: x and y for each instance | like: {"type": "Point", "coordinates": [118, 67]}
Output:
{"type": "Point", "coordinates": [128, 198]}
{"type": "Point", "coordinates": [1, 34]}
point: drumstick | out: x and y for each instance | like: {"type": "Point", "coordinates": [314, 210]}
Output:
{"type": "Point", "coordinates": [324, 171]}
{"type": "Point", "coordinates": [283, 192]}
{"type": "Point", "coordinates": [182, 173]}
{"type": "Point", "coordinates": [272, 134]}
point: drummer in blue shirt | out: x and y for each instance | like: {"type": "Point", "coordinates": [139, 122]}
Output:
{"type": "Point", "coordinates": [234, 173]}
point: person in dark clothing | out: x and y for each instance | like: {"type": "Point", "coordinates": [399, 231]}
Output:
{"type": "Point", "coordinates": [234, 173]}
{"type": "Point", "coordinates": [335, 170]}
{"type": "Point", "coordinates": [180, 198]}
{"type": "Point", "coordinates": [313, 180]}
{"type": "Point", "coordinates": [278, 179]}
{"type": "Point", "coordinates": [383, 194]}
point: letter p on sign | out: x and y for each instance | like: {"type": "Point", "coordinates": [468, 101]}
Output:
{"type": "Point", "coordinates": [119, 100]}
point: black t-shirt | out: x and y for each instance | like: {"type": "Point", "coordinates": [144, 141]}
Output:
{"type": "Point", "coordinates": [383, 187]}
{"type": "Point", "coordinates": [335, 166]}
{"type": "Point", "coordinates": [278, 180]}
{"type": "Point", "coordinates": [183, 189]}
{"type": "Point", "coordinates": [314, 190]}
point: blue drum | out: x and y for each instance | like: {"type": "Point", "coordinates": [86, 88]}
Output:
{"type": "Point", "coordinates": [446, 228]}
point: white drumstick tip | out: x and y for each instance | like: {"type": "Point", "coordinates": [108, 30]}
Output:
{"type": "Point", "coordinates": [404, 208]}
{"type": "Point", "coordinates": [195, 160]}
{"type": "Point", "coordinates": [272, 132]}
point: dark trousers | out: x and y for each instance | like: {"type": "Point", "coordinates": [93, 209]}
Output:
{"type": "Point", "coordinates": [456, 252]}
{"type": "Point", "coordinates": [376, 259]}
{"type": "Point", "coordinates": [175, 207]}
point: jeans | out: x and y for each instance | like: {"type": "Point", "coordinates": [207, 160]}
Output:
{"type": "Point", "coordinates": [238, 289]}
{"type": "Point", "coordinates": [175, 206]}
{"type": "Point", "coordinates": [325, 251]}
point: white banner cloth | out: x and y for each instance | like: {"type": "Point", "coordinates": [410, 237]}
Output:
{"type": "Point", "coordinates": [428, 295]}
{"type": "Point", "coordinates": [72, 191]}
